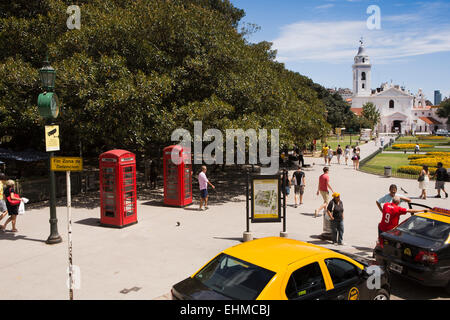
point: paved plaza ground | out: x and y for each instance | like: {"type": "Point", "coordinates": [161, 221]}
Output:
{"type": "Point", "coordinates": [156, 253]}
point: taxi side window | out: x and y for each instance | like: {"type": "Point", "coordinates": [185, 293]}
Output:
{"type": "Point", "coordinates": [341, 270]}
{"type": "Point", "coordinates": [305, 281]}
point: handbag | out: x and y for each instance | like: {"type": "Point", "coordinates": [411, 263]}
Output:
{"type": "Point", "coordinates": [13, 202]}
{"type": "Point", "coordinates": [421, 178]}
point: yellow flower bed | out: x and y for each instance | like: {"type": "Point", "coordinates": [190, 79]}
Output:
{"type": "Point", "coordinates": [432, 138]}
{"type": "Point", "coordinates": [431, 161]}
{"type": "Point", "coordinates": [411, 146]}
{"type": "Point", "coordinates": [414, 170]}
{"type": "Point", "coordinates": [439, 154]}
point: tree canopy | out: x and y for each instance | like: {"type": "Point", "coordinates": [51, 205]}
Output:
{"type": "Point", "coordinates": [137, 70]}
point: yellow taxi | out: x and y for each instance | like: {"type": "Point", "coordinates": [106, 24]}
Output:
{"type": "Point", "coordinates": [282, 269]}
{"type": "Point", "coordinates": [419, 248]}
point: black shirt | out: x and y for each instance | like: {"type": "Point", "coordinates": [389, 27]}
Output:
{"type": "Point", "coordinates": [298, 175]}
{"type": "Point", "coordinates": [336, 209]}
{"type": "Point", "coordinates": [441, 174]}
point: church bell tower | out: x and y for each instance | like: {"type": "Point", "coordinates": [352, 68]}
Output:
{"type": "Point", "coordinates": [362, 73]}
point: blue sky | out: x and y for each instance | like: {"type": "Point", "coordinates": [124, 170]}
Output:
{"type": "Point", "coordinates": [319, 39]}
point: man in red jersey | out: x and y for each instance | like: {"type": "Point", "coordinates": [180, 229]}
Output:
{"type": "Point", "coordinates": [391, 215]}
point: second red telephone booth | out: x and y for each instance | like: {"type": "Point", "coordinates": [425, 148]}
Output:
{"type": "Point", "coordinates": [118, 188]}
{"type": "Point", "coordinates": [177, 177]}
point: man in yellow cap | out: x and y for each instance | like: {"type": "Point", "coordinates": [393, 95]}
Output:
{"type": "Point", "coordinates": [335, 211]}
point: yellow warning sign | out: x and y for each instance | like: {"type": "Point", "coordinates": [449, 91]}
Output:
{"type": "Point", "coordinates": [52, 138]}
{"type": "Point", "coordinates": [66, 164]}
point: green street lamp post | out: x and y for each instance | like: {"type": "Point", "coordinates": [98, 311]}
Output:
{"type": "Point", "coordinates": [48, 107]}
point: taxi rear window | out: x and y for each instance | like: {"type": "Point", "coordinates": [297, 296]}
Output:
{"type": "Point", "coordinates": [428, 228]}
{"type": "Point", "coordinates": [234, 278]}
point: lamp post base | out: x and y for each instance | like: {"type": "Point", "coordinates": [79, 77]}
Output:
{"type": "Point", "coordinates": [54, 239]}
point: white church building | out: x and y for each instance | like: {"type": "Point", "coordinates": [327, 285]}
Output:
{"type": "Point", "coordinates": [399, 109]}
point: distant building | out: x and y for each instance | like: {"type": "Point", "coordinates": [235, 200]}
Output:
{"type": "Point", "coordinates": [400, 110]}
{"type": "Point", "coordinates": [437, 97]}
{"type": "Point", "coordinates": [345, 93]}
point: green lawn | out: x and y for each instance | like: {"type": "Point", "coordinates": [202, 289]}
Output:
{"type": "Point", "coordinates": [377, 164]}
{"type": "Point", "coordinates": [344, 141]}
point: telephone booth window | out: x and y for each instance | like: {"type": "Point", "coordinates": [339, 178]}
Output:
{"type": "Point", "coordinates": [109, 182]}
{"type": "Point", "coordinates": [128, 188]}
{"type": "Point", "coordinates": [187, 183]}
{"type": "Point", "coordinates": [172, 181]}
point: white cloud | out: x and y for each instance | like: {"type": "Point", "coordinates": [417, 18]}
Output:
{"type": "Point", "coordinates": [325, 6]}
{"type": "Point", "coordinates": [337, 41]}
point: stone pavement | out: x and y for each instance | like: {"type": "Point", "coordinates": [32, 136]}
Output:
{"type": "Point", "coordinates": [145, 260]}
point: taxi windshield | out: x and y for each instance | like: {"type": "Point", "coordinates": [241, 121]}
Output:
{"type": "Point", "coordinates": [428, 228]}
{"type": "Point", "coordinates": [234, 278]}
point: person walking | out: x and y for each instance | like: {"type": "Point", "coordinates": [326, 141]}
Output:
{"type": "Point", "coordinates": [301, 156]}
{"type": "Point", "coordinates": [322, 189]}
{"type": "Point", "coordinates": [424, 180]}
{"type": "Point", "coordinates": [389, 197]}
{"type": "Point", "coordinates": [347, 154]}
{"type": "Point", "coordinates": [3, 208]}
{"type": "Point", "coordinates": [417, 149]}
{"type": "Point", "coordinates": [298, 179]}
{"type": "Point", "coordinates": [325, 153]}
{"type": "Point", "coordinates": [153, 175]}
{"type": "Point", "coordinates": [339, 152]}
{"type": "Point", "coordinates": [330, 155]}
{"type": "Point", "coordinates": [203, 184]}
{"type": "Point", "coordinates": [358, 157]}
{"type": "Point", "coordinates": [391, 215]}
{"type": "Point", "coordinates": [354, 158]}
{"type": "Point", "coordinates": [441, 177]}
{"type": "Point", "coordinates": [13, 208]}
{"type": "Point", "coordinates": [335, 211]}
{"type": "Point", "coordinates": [286, 183]}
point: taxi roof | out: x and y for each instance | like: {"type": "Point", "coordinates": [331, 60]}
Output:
{"type": "Point", "coordinates": [436, 214]}
{"type": "Point", "coordinates": [275, 254]}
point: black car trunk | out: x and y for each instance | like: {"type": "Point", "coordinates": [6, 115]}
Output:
{"type": "Point", "coordinates": [405, 247]}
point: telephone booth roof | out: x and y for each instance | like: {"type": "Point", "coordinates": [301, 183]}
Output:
{"type": "Point", "coordinates": [116, 154]}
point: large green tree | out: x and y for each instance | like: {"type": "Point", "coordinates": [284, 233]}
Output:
{"type": "Point", "coordinates": [370, 116]}
{"type": "Point", "coordinates": [444, 110]}
{"type": "Point", "coordinates": [137, 70]}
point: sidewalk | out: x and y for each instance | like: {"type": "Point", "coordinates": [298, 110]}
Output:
{"type": "Point", "coordinates": [156, 253]}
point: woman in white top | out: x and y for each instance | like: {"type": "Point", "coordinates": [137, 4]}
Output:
{"type": "Point", "coordinates": [424, 180]}
{"type": "Point", "coordinates": [330, 155]}
{"type": "Point", "coordinates": [347, 154]}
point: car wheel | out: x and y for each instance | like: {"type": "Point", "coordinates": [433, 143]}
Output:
{"type": "Point", "coordinates": [381, 295]}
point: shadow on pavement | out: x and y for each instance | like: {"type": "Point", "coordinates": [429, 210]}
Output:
{"type": "Point", "coordinates": [7, 235]}
{"type": "Point", "coordinates": [232, 239]}
{"type": "Point", "coordinates": [408, 290]}
{"type": "Point", "coordinates": [89, 200]}
{"type": "Point", "coordinates": [94, 222]}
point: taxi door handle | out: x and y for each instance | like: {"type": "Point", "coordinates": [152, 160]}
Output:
{"type": "Point", "coordinates": [341, 297]}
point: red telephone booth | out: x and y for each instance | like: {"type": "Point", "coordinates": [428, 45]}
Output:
{"type": "Point", "coordinates": [118, 188]}
{"type": "Point", "coordinates": [177, 177]}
